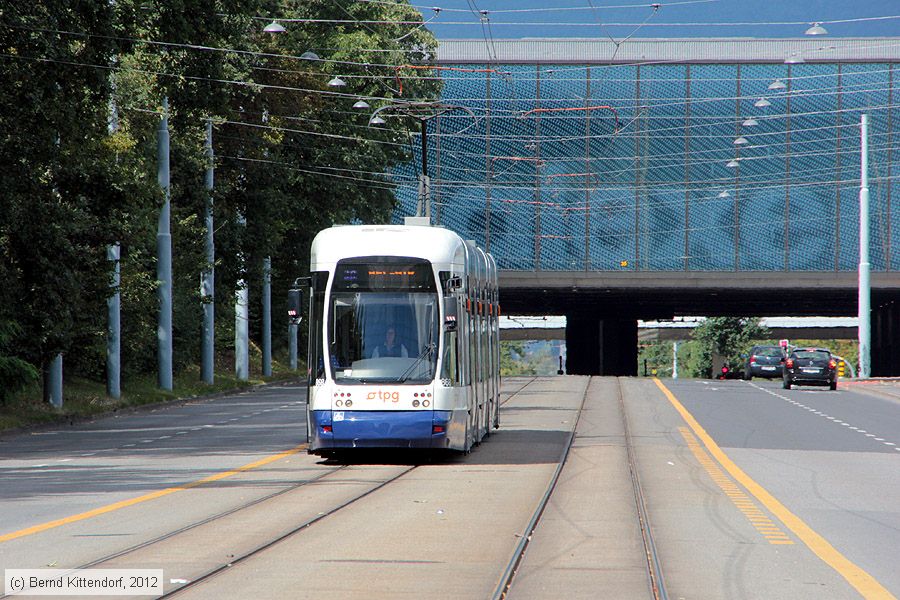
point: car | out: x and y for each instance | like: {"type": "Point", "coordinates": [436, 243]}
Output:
{"type": "Point", "coordinates": [764, 361]}
{"type": "Point", "coordinates": [810, 366]}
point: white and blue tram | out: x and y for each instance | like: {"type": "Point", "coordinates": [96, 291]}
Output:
{"type": "Point", "coordinates": [404, 344]}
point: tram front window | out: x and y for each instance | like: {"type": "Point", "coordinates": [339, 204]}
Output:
{"type": "Point", "coordinates": [379, 333]}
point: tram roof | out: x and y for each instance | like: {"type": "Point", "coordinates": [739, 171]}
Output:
{"type": "Point", "coordinates": [435, 244]}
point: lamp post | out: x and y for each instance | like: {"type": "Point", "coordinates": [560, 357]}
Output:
{"type": "Point", "coordinates": [865, 333]}
{"type": "Point", "coordinates": [422, 112]}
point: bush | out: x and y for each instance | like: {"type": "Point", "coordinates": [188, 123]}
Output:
{"type": "Point", "coordinates": [15, 373]}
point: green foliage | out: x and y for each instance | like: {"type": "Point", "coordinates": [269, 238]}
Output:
{"type": "Point", "coordinates": [15, 373]}
{"type": "Point", "coordinates": [656, 358]}
{"type": "Point", "coordinates": [286, 147]}
{"type": "Point", "coordinates": [528, 358]}
{"type": "Point", "coordinates": [727, 336]}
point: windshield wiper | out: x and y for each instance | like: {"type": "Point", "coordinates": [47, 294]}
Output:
{"type": "Point", "coordinates": [431, 347]}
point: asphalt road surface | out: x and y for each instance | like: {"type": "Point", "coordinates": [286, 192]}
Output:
{"type": "Point", "coordinates": [748, 491]}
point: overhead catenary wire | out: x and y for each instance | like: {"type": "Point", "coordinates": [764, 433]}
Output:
{"type": "Point", "coordinates": [524, 137]}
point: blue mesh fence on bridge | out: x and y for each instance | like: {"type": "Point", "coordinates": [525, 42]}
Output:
{"type": "Point", "coordinates": [623, 167]}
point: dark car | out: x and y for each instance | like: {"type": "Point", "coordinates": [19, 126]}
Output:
{"type": "Point", "coordinates": [810, 366]}
{"type": "Point", "coordinates": [764, 361]}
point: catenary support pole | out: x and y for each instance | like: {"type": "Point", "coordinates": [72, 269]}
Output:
{"type": "Point", "coordinates": [242, 319]}
{"type": "Point", "coordinates": [54, 381]}
{"type": "Point", "coordinates": [114, 301]}
{"type": "Point", "coordinates": [865, 333]}
{"type": "Point", "coordinates": [674, 360]}
{"type": "Point", "coordinates": [208, 276]}
{"type": "Point", "coordinates": [113, 333]}
{"type": "Point", "coordinates": [267, 317]}
{"type": "Point", "coordinates": [164, 257]}
{"type": "Point", "coordinates": [292, 343]}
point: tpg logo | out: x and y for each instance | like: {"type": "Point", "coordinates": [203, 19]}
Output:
{"type": "Point", "coordinates": [385, 396]}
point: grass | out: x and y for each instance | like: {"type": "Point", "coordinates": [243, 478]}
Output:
{"type": "Point", "coordinates": [84, 398]}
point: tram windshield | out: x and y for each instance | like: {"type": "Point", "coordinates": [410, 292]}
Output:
{"type": "Point", "coordinates": [383, 322]}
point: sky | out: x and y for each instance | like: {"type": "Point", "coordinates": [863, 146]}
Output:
{"type": "Point", "coordinates": [673, 18]}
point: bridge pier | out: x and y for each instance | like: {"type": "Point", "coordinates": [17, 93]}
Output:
{"type": "Point", "coordinates": [885, 347]}
{"type": "Point", "coordinates": [597, 345]}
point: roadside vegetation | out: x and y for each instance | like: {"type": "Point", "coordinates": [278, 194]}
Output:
{"type": "Point", "coordinates": [80, 109]}
{"type": "Point", "coordinates": [86, 397]}
{"type": "Point", "coordinates": [522, 357]}
{"type": "Point", "coordinates": [729, 337]}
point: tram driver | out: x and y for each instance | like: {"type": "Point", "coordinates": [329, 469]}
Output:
{"type": "Point", "coordinates": [390, 347]}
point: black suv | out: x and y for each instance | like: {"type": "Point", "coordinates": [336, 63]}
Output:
{"type": "Point", "coordinates": [810, 366]}
{"type": "Point", "coordinates": [764, 361]}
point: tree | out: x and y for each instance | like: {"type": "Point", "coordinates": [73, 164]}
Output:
{"type": "Point", "coordinates": [292, 157]}
{"type": "Point", "coordinates": [728, 337]}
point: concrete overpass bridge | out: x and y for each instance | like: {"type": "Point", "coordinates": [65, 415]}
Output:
{"type": "Point", "coordinates": [668, 177]}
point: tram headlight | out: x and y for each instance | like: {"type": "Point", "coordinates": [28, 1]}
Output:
{"type": "Point", "coordinates": [415, 403]}
{"type": "Point", "coordinates": [348, 403]}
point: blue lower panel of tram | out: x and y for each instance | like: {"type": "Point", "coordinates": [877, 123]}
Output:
{"type": "Point", "coordinates": [379, 429]}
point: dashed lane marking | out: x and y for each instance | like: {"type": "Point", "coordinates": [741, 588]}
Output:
{"type": "Point", "coordinates": [864, 583]}
{"type": "Point", "coordinates": [821, 414]}
{"type": "Point", "coordinates": [151, 496]}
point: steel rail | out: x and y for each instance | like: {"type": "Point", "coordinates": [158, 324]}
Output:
{"type": "Point", "coordinates": [265, 546]}
{"type": "Point", "coordinates": [654, 570]}
{"type": "Point", "coordinates": [509, 573]}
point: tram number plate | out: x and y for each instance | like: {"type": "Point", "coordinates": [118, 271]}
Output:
{"type": "Point", "coordinates": [338, 416]}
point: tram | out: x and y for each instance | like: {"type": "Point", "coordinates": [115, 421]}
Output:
{"type": "Point", "coordinates": [404, 343]}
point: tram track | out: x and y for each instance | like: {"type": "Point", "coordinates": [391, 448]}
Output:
{"type": "Point", "coordinates": [212, 573]}
{"type": "Point", "coordinates": [210, 519]}
{"type": "Point", "coordinates": [509, 573]}
{"type": "Point", "coordinates": [653, 571]}
{"type": "Point", "coordinates": [157, 545]}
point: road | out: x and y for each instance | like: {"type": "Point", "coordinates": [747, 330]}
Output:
{"type": "Point", "coordinates": [748, 491]}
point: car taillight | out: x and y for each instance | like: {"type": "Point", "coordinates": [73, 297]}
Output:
{"type": "Point", "coordinates": [789, 363]}
{"type": "Point", "coordinates": [753, 358]}
{"type": "Point", "coordinates": [832, 364]}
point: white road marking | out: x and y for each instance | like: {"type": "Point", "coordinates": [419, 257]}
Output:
{"type": "Point", "coordinates": [821, 414]}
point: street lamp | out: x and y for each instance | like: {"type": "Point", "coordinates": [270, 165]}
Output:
{"type": "Point", "coordinates": [422, 112]}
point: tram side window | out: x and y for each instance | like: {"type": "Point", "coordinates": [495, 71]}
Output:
{"type": "Point", "coordinates": [316, 365]}
{"type": "Point", "coordinates": [450, 368]}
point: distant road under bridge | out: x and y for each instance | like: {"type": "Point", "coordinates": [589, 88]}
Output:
{"type": "Point", "coordinates": [602, 308]}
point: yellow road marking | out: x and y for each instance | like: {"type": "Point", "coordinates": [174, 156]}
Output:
{"type": "Point", "coordinates": [757, 518]}
{"type": "Point", "coordinates": [151, 496]}
{"type": "Point", "coordinates": [864, 583]}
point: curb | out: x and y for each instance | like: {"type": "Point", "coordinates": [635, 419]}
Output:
{"type": "Point", "coordinates": [887, 388]}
